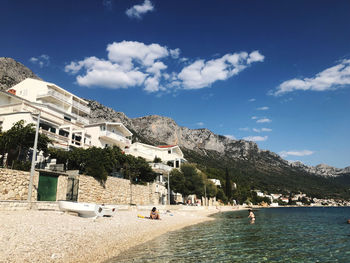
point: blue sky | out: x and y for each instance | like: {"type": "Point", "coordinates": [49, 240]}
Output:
{"type": "Point", "coordinates": [275, 72]}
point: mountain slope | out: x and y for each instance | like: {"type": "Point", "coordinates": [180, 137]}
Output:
{"type": "Point", "coordinates": [13, 72]}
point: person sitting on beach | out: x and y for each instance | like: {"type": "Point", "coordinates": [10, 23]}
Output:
{"type": "Point", "coordinates": [154, 214]}
{"type": "Point", "coordinates": [251, 215]}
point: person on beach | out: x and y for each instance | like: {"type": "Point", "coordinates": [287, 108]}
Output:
{"type": "Point", "coordinates": [154, 214]}
{"type": "Point", "coordinates": [251, 215]}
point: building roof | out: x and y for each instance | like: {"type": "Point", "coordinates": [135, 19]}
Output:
{"type": "Point", "coordinates": [166, 146]}
{"type": "Point", "coordinates": [41, 82]}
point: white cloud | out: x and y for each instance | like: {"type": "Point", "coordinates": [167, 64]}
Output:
{"type": "Point", "coordinates": [244, 129]}
{"type": "Point", "coordinates": [263, 108]}
{"type": "Point", "coordinates": [254, 117]}
{"type": "Point", "coordinates": [137, 11]}
{"type": "Point", "coordinates": [132, 63]}
{"type": "Point", "coordinates": [175, 53]}
{"type": "Point", "coordinates": [263, 120]}
{"type": "Point", "coordinates": [200, 124]}
{"type": "Point", "coordinates": [232, 137]}
{"type": "Point", "coordinates": [262, 130]}
{"type": "Point", "coordinates": [203, 73]}
{"type": "Point", "coordinates": [42, 60]}
{"type": "Point", "coordinates": [251, 100]}
{"type": "Point", "coordinates": [329, 79]}
{"type": "Point", "coordinates": [296, 153]}
{"type": "Point", "coordinates": [255, 138]}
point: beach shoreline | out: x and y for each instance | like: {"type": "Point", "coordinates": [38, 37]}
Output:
{"type": "Point", "coordinates": [54, 236]}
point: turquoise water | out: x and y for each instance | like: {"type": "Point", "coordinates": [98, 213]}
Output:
{"type": "Point", "coordinates": [278, 235]}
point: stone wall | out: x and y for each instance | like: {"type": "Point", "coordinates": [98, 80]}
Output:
{"type": "Point", "coordinates": [117, 191]}
{"type": "Point", "coordinates": [14, 184]}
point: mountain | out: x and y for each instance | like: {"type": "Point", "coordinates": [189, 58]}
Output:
{"type": "Point", "coordinates": [248, 165]}
{"type": "Point", "coordinates": [13, 72]}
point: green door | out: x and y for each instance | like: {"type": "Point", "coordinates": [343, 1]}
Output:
{"type": "Point", "coordinates": [47, 188]}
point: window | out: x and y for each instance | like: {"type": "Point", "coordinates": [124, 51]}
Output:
{"type": "Point", "coordinates": [102, 128]}
{"type": "Point", "coordinates": [169, 151]}
{"type": "Point", "coordinates": [67, 118]}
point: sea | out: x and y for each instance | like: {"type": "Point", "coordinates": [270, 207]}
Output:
{"type": "Point", "coordinates": [293, 234]}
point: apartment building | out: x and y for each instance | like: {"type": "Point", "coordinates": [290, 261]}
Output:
{"type": "Point", "coordinates": [109, 134]}
{"type": "Point", "coordinates": [169, 154]}
{"type": "Point", "coordinates": [54, 123]}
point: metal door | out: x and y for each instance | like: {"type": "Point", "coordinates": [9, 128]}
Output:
{"type": "Point", "coordinates": [47, 188]}
{"type": "Point", "coordinates": [72, 189]}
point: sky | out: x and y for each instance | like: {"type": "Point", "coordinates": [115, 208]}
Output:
{"type": "Point", "coordinates": [273, 72]}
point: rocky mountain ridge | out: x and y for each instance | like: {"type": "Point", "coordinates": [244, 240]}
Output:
{"type": "Point", "coordinates": [160, 130]}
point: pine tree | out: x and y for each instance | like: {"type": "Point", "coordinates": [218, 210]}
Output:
{"type": "Point", "coordinates": [228, 185]}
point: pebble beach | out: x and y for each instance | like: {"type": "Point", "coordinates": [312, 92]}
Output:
{"type": "Point", "coordinates": [54, 236]}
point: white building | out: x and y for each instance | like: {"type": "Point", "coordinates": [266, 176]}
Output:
{"type": "Point", "coordinates": [53, 123]}
{"type": "Point", "coordinates": [109, 134]}
{"type": "Point", "coordinates": [167, 153]}
{"type": "Point", "coordinates": [216, 182]}
{"type": "Point", "coordinates": [74, 108]}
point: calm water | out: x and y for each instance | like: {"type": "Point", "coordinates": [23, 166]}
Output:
{"type": "Point", "coordinates": [278, 235]}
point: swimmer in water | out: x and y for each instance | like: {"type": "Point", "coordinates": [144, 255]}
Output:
{"type": "Point", "coordinates": [251, 216]}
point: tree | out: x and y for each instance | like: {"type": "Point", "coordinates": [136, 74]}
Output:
{"type": "Point", "coordinates": [177, 182]}
{"type": "Point", "coordinates": [228, 185]}
{"type": "Point", "coordinates": [100, 163]}
{"type": "Point", "coordinates": [18, 140]}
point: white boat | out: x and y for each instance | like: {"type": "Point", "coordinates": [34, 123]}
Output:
{"type": "Point", "coordinates": [83, 209]}
{"type": "Point", "coordinates": [108, 210]}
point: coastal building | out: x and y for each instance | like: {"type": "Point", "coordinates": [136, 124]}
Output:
{"type": "Point", "coordinates": [216, 182]}
{"type": "Point", "coordinates": [168, 154]}
{"type": "Point", "coordinates": [56, 124]}
{"type": "Point", "coordinates": [106, 134]}
{"type": "Point", "coordinates": [71, 106]}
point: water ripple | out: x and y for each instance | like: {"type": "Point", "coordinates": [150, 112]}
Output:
{"type": "Point", "coordinates": [278, 235]}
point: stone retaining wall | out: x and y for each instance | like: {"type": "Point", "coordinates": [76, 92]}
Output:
{"type": "Point", "coordinates": [14, 184]}
{"type": "Point", "coordinates": [117, 191]}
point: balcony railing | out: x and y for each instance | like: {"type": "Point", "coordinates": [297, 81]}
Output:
{"type": "Point", "coordinates": [80, 119]}
{"type": "Point", "coordinates": [115, 137]}
{"type": "Point", "coordinates": [56, 95]}
{"type": "Point", "coordinates": [161, 166]}
{"type": "Point", "coordinates": [81, 107]}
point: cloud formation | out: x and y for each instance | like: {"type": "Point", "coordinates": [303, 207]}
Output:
{"type": "Point", "coordinates": [200, 124]}
{"type": "Point", "coordinates": [42, 60]}
{"type": "Point", "coordinates": [262, 130]}
{"type": "Point", "coordinates": [330, 79]}
{"type": "Point", "coordinates": [137, 11]}
{"type": "Point", "coordinates": [203, 73]}
{"type": "Point", "coordinates": [263, 120]}
{"type": "Point", "coordinates": [251, 100]}
{"type": "Point", "coordinates": [295, 153]}
{"type": "Point", "coordinates": [255, 138]}
{"type": "Point", "coordinates": [132, 63]}
{"type": "Point", "coordinates": [263, 108]}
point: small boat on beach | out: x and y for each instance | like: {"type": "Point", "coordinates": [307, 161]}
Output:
{"type": "Point", "coordinates": [83, 209]}
{"type": "Point", "coordinates": [108, 210]}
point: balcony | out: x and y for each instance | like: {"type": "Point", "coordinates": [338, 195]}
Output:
{"type": "Point", "coordinates": [80, 119]}
{"type": "Point", "coordinates": [81, 107]}
{"type": "Point", "coordinates": [160, 167]}
{"type": "Point", "coordinates": [56, 95]}
{"type": "Point", "coordinates": [115, 138]}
